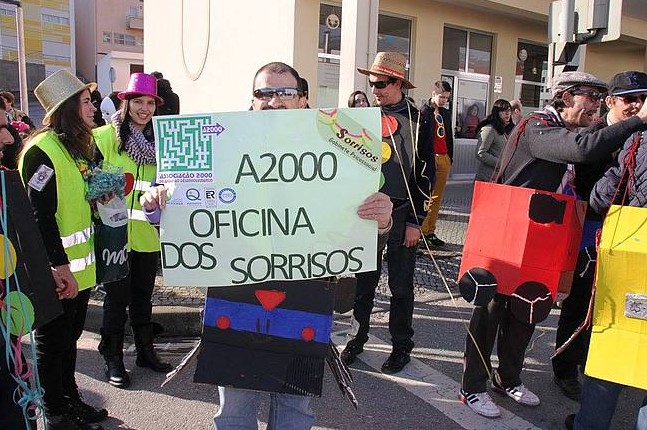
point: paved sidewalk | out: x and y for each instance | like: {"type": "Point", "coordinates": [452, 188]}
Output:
{"type": "Point", "coordinates": [179, 309]}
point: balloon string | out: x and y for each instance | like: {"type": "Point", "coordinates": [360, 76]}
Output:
{"type": "Point", "coordinates": [433, 259]}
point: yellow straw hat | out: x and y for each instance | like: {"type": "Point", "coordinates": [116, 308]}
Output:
{"type": "Point", "coordinates": [57, 88]}
{"type": "Point", "coordinates": [391, 64]}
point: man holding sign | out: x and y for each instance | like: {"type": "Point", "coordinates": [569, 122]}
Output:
{"type": "Point", "coordinates": [232, 314]}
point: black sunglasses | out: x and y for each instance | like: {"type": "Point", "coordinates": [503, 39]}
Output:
{"type": "Point", "coordinates": [593, 95]}
{"type": "Point", "coordinates": [633, 98]}
{"type": "Point", "coordinates": [380, 85]}
{"type": "Point", "coordinates": [283, 93]}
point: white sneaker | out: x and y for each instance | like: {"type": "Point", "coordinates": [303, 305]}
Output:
{"type": "Point", "coordinates": [481, 403]}
{"type": "Point", "coordinates": [519, 394]}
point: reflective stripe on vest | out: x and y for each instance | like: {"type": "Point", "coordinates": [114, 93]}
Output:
{"type": "Point", "coordinates": [142, 186]}
{"type": "Point", "coordinates": [80, 264]}
{"type": "Point", "coordinates": [78, 237]}
{"type": "Point", "coordinates": [136, 214]}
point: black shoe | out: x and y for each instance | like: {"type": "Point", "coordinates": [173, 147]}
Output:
{"type": "Point", "coordinates": [146, 356]}
{"type": "Point", "coordinates": [84, 412]}
{"type": "Point", "coordinates": [569, 422]}
{"type": "Point", "coordinates": [61, 422]}
{"type": "Point", "coordinates": [434, 240]}
{"type": "Point", "coordinates": [349, 353]}
{"type": "Point", "coordinates": [396, 362]}
{"type": "Point", "coordinates": [571, 387]}
{"type": "Point", "coordinates": [112, 349]}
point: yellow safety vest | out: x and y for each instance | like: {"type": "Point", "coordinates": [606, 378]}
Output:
{"type": "Point", "coordinates": [73, 214]}
{"type": "Point", "coordinates": [142, 236]}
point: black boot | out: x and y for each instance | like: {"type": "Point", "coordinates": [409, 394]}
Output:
{"type": "Point", "coordinates": [84, 412]}
{"type": "Point", "coordinates": [112, 349]}
{"type": "Point", "coordinates": [146, 356]}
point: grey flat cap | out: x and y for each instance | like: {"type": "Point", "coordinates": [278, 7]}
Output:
{"type": "Point", "coordinates": [567, 80]}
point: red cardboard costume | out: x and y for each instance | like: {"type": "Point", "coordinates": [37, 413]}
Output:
{"type": "Point", "coordinates": [522, 243]}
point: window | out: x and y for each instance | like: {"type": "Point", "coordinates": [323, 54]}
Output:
{"type": "Point", "coordinates": [394, 34]}
{"type": "Point", "coordinates": [454, 49]}
{"type": "Point", "coordinates": [130, 40]}
{"type": "Point", "coordinates": [530, 75]}
{"type": "Point", "coordinates": [480, 50]}
{"type": "Point", "coordinates": [119, 39]}
{"type": "Point", "coordinates": [107, 37]}
{"type": "Point", "coordinates": [53, 19]}
{"type": "Point", "coordinates": [133, 11]}
{"type": "Point", "coordinates": [466, 51]}
{"type": "Point", "coordinates": [136, 68]}
{"type": "Point", "coordinates": [330, 22]}
{"type": "Point", "coordinates": [7, 12]}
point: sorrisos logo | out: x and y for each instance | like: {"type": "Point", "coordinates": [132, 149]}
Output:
{"type": "Point", "coordinates": [227, 195]}
{"type": "Point", "coordinates": [349, 137]}
{"type": "Point", "coordinates": [192, 194]}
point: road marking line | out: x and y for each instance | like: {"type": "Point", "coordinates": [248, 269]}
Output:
{"type": "Point", "coordinates": [434, 387]}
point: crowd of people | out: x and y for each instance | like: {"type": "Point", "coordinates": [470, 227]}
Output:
{"type": "Point", "coordinates": [566, 147]}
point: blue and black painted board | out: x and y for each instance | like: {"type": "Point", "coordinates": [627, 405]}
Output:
{"type": "Point", "coordinates": [271, 336]}
{"type": "Point", "coordinates": [32, 269]}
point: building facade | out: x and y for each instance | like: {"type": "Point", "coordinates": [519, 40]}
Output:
{"type": "Point", "coordinates": [109, 36]}
{"type": "Point", "coordinates": [49, 41]}
{"type": "Point", "coordinates": [486, 49]}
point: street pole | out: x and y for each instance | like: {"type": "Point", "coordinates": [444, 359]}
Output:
{"type": "Point", "coordinates": [22, 61]}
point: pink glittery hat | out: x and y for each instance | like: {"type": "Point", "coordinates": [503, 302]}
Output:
{"type": "Point", "coordinates": [141, 84]}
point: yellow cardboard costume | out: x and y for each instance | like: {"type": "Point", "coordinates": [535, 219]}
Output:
{"type": "Point", "coordinates": [618, 350]}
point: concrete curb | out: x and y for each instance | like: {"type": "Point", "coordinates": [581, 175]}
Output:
{"type": "Point", "coordinates": [178, 321]}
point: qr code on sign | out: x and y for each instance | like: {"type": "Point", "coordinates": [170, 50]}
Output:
{"type": "Point", "coordinates": [182, 145]}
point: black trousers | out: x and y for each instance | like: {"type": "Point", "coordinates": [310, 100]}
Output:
{"type": "Point", "coordinates": [133, 292]}
{"type": "Point", "coordinates": [513, 337]}
{"type": "Point", "coordinates": [402, 264]}
{"type": "Point", "coordinates": [11, 416]}
{"type": "Point", "coordinates": [574, 309]}
{"type": "Point", "coordinates": [56, 352]}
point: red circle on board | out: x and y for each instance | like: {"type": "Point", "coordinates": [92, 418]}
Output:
{"type": "Point", "coordinates": [308, 334]}
{"type": "Point", "coordinates": [223, 323]}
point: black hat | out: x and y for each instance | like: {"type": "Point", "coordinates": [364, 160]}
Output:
{"type": "Point", "coordinates": [628, 83]}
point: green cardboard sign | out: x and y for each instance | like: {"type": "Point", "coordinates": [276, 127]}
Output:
{"type": "Point", "coordinates": [267, 195]}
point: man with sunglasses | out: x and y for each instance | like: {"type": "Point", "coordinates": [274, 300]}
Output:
{"type": "Point", "coordinates": [408, 171]}
{"type": "Point", "coordinates": [540, 154]}
{"type": "Point", "coordinates": [276, 86]}
{"type": "Point", "coordinates": [626, 96]}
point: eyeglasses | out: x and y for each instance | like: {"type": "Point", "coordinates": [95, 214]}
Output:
{"type": "Point", "coordinates": [380, 85]}
{"type": "Point", "coordinates": [283, 93]}
{"type": "Point", "coordinates": [593, 95]}
{"type": "Point", "coordinates": [633, 98]}
{"type": "Point", "coordinates": [440, 129]}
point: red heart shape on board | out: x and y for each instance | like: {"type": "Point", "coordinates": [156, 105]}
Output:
{"type": "Point", "coordinates": [130, 183]}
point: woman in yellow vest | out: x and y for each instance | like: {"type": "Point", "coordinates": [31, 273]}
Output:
{"type": "Point", "coordinates": [52, 166]}
{"type": "Point", "coordinates": [128, 142]}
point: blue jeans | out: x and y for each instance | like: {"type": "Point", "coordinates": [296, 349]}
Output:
{"type": "Point", "coordinates": [598, 403]}
{"type": "Point", "coordinates": [238, 410]}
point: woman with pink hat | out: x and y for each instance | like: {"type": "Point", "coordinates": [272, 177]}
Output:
{"type": "Point", "coordinates": [128, 142]}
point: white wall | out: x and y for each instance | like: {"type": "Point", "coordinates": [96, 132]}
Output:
{"type": "Point", "coordinates": [244, 35]}
{"type": "Point", "coordinates": [121, 62]}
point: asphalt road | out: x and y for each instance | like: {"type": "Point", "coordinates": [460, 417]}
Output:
{"type": "Point", "coordinates": [422, 397]}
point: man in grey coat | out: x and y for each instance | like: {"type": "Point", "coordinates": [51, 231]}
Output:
{"type": "Point", "coordinates": [539, 155]}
